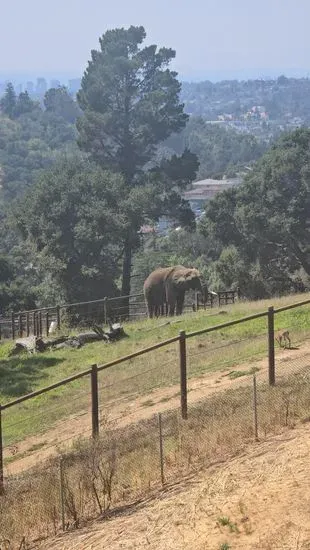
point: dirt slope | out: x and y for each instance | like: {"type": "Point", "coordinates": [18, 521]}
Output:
{"type": "Point", "coordinates": [265, 494]}
{"type": "Point", "coordinates": [130, 410]}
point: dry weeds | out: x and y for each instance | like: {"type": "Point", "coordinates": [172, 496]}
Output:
{"type": "Point", "coordinates": [123, 466]}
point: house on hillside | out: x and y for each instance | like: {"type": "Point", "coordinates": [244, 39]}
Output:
{"type": "Point", "coordinates": [197, 196]}
{"type": "Point", "coordinates": [204, 190]}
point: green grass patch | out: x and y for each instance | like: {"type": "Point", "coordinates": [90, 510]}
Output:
{"type": "Point", "coordinates": [217, 351]}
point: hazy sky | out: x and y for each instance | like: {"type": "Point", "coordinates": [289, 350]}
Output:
{"type": "Point", "coordinates": [56, 36]}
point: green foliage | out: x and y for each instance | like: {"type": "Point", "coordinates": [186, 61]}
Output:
{"type": "Point", "coordinates": [8, 101]}
{"type": "Point", "coordinates": [220, 151]}
{"type": "Point", "coordinates": [264, 224]}
{"type": "Point", "coordinates": [177, 247]}
{"type": "Point", "coordinates": [30, 144]}
{"type": "Point", "coordinates": [280, 97]}
{"type": "Point", "coordinates": [59, 102]}
{"type": "Point", "coordinates": [130, 103]}
{"type": "Point", "coordinates": [72, 219]}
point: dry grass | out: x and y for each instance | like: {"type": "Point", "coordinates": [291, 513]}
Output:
{"type": "Point", "coordinates": [123, 466]}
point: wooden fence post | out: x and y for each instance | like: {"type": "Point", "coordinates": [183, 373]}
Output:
{"type": "Point", "coordinates": [271, 360]}
{"type": "Point", "coordinates": [40, 323]}
{"type": "Point", "coordinates": [183, 376]}
{"type": "Point", "coordinates": [105, 310]}
{"type": "Point", "coordinates": [34, 324]}
{"type": "Point", "coordinates": [1, 455]}
{"type": "Point", "coordinates": [161, 450]}
{"type": "Point", "coordinates": [94, 400]}
{"type": "Point", "coordinates": [47, 323]}
{"type": "Point", "coordinates": [20, 325]}
{"type": "Point", "coordinates": [255, 407]}
{"type": "Point", "coordinates": [27, 324]}
{"type": "Point", "coordinates": [196, 300]}
{"type": "Point", "coordinates": [58, 317]}
{"type": "Point", "coordinates": [238, 293]}
{"type": "Point", "coordinates": [13, 325]}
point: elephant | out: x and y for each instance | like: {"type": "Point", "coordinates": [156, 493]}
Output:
{"type": "Point", "coordinates": [167, 286]}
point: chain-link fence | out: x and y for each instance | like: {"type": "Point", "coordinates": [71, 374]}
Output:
{"type": "Point", "coordinates": [45, 424]}
{"type": "Point", "coordinates": [292, 342]}
{"type": "Point", "coordinates": [131, 461]}
{"type": "Point", "coordinates": [141, 444]}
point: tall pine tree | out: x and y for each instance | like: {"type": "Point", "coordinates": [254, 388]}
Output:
{"type": "Point", "coordinates": [130, 100]}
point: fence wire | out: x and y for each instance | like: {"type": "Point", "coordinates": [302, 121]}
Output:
{"type": "Point", "coordinates": [129, 462]}
{"type": "Point", "coordinates": [28, 426]}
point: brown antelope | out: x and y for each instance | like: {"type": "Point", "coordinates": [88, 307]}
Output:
{"type": "Point", "coordinates": [283, 335]}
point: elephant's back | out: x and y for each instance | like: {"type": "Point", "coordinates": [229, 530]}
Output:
{"type": "Point", "coordinates": [156, 278]}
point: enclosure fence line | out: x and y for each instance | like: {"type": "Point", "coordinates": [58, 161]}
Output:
{"type": "Point", "coordinates": [92, 372]}
{"type": "Point", "coordinates": [37, 321]}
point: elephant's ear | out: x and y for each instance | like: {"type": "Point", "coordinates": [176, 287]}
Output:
{"type": "Point", "coordinates": [181, 280]}
{"type": "Point", "coordinates": [192, 274]}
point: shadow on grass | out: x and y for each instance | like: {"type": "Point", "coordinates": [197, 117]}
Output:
{"type": "Point", "coordinates": [18, 375]}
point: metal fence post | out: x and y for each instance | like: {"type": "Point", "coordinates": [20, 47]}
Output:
{"type": "Point", "coordinates": [183, 376]}
{"type": "Point", "coordinates": [94, 400]}
{"type": "Point", "coordinates": [271, 360]}
{"type": "Point", "coordinates": [161, 450]}
{"type": "Point", "coordinates": [62, 496]}
{"type": "Point", "coordinates": [255, 407]}
{"type": "Point", "coordinates": [1, 455]}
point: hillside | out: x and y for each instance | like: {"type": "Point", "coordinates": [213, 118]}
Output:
{"type": "Point", "coordinates": [123, 466]}
{"type": "Point", "coordinates": [29, 428]}
{"type": "Point", "coordinates": [259, 500]}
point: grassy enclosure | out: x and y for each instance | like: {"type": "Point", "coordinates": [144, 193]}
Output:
{"type": "Point", "coordinates": [217, 351]}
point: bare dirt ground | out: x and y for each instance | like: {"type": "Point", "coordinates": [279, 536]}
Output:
{"type": "Point", "coordinates": [264, 494]}
{"type": "Point", "coordinates": [40, 447]}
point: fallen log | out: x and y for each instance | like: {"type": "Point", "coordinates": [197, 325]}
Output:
{"type": "Point", "coordinates": [32, 344]}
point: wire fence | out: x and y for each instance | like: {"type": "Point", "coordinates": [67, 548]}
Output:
{"type": "Point", "coordinates": [128, 463]}
{"type": "Point", "coordinates": [224, 381]}
{"type": "Point", "coordinates": [38, 322]}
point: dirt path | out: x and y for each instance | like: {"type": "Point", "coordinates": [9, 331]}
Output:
{"type": "Point", "coordinates": [37, 448]}
{"type": "Point", "coordinates": [264, 494]}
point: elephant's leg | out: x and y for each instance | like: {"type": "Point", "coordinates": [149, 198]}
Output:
{"type": "Point", "coordinates": [180, 302]}
{"type": "Point", "coordinates": [171, 306]}
{"type": "Point", "coordinates": [150, 310]}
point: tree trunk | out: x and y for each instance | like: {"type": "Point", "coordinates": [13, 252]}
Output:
{"type": "Point", "coordinates": [302, 257]}
{"type": "Point", "coordinates": [126, 276]}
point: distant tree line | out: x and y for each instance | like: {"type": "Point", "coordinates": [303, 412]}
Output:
{"type": "Point", "coordinates": [282, 96]}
